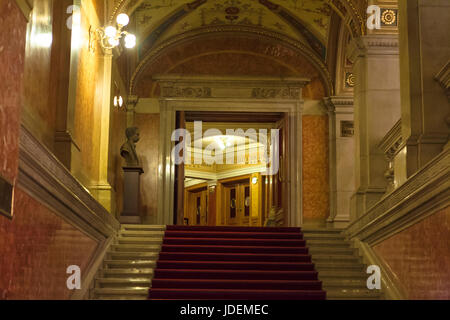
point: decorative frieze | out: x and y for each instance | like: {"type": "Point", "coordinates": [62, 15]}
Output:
{"type": "Point", "coordinates": [199, 87]}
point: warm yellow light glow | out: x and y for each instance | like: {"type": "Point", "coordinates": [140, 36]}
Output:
{"type": "Point", "coordinates": [123, 19]}
{"type": "Point", "coordinates": [113, 42]}
{"type": "Point", "coordinates": [110, 32]}
{"type": "Point", "coordinates": [130, 41]}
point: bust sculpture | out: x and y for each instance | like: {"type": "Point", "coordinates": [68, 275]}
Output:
{"type": "Point", "coordinates": [128, 149]}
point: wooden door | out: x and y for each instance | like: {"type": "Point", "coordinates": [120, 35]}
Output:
{"type": "Point", "coordinates": [196, 208]}
{"type": "Point", "coordinates": [237, 204]}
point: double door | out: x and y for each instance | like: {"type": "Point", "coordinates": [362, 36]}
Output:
{"type": "Point", "coordinates": [237, 203]}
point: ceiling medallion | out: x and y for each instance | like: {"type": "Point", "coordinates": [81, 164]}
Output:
{"type": "Point", "coordinates": [388, 17]}
{"type": "Point", "coordinates": [232, 13]}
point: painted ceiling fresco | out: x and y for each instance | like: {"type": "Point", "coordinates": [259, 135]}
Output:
{"type": "Point", "coordinates": [304, 20]}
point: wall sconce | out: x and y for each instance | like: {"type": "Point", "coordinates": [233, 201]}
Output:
{"type": "Point", "coordinates": [118, 101]}
{"type": "Point", "coordinates": [110, 36]}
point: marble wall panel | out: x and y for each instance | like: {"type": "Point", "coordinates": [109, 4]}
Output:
{"type": "Point", "coordinates": [148, 152]}
{"type": "Point", "coordinates": [12, 53]}
{"type": "Point", "coordinates": [36, 247]}
{"type": "Point", "coordinates": [38, 114]}
{"type": "Point", "coordinates": [420, 257]}
{"type": "Point", "coordinates": [316, 204]}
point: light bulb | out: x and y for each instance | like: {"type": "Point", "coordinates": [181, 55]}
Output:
{"type": "Point", "coordinates": [130, 41]}
{"type": "Point", "coordinates": [120, 101]}
{"type": "Point", "coordinates": [110, 32]}
{"type": "Point", "coordinates": [122, 19]}
{"type": "Point", "coordinates": [113, 42]}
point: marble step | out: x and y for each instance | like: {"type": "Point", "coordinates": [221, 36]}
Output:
{"type": "Point", "coordinates": [332, 284]}
{"type": "Point", "coordinates": [156, 248]}
{"type": "Point", "coordinates": [116, 297]}
{"type": "Point", "coordinates": [142, 233]}
{"type": "Point", "coordinates": [331, 250]}
{"type": "Point", "coordinates": [139, 240]}
{"type": "Point", "coordinates": [118, 292]}
{"type": "Point", "coordinates": [323, 236]}
{"type": "Point", "coordinates": [123, 282]}
{"type": "Point", "coordinates": [327, 243]}
{"type": "Point", "coordinates": [335, 258]}
{"type": "Point", "coordinates": [331, 265]}
{"type": "Point", "coordinates": [127, 272]}
{"type": "Point", "coordinates": [307, 231]}
{"type": "Point", "coordinates": [338, 274]}
{"type": "Point", "coordinates": [143, 227]}
{"type": "Point", "coordinates": [132, 255]}
{"type": "Point", "coordinates": [127, 264]}
{"type": "Point", "coordinates": [354, 294]}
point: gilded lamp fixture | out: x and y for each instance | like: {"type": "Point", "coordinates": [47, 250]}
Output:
{"type": "Point", "coordinates": [110, 36]}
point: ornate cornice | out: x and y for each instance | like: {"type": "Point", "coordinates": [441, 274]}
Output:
{"type": "Point", "coordinates": [235, 30]}
{"type": "Point", "coordinates": [339, 104]}
{"type": "Point", "coordinates": [373, 44]}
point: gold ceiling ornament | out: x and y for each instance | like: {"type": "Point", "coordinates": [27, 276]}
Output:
{"type": "Point", "coordinates": [388, 17]}
{"type": "Point", "coordinates": [350, 79]}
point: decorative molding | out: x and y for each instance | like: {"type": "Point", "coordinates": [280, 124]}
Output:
{"type": "Point", "coordinates": [195, 87]}
{"type": "Point", "coordinates": [379, 44]}
{"type": "Point", "coordinates": [25, 7]}
{"type": "Point", "coordinates": [424, 193]}
{"type": "Point", "coordinates": [48, 181]}
{"type": "Point", "coordinates": [443, 77]}
{"type": "Point", "coordinates": [391, 285]}
{"type": "Point", "coordinates": [392, 141]}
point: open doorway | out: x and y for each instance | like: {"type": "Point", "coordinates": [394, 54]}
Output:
{"type": "Point", "coordinates": [236, 172]}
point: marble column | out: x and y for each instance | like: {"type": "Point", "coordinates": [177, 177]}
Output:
{"type": "Point", "coordinates": [424, 51]}
{"type": "Point", "coordinates": [377, 108]}
{"type": "Point", "coordinates": [341, 157]}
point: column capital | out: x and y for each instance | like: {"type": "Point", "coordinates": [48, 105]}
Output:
{"type": "Point", "coordinates": [373, 44]}
{"type": "Point", "coordinates": [339, 104]}
{"type": "Point", "coordinates": [132, 102]}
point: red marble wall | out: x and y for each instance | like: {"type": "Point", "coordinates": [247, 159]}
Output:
{"type": "Point", "coordinates": [316, 201]}
{"type": "Point", "coordinates": [36, 248]}
{"type": "Point", "coordinates": [148, 152]}
{"type": "Point", "coordinates": [420, 257]}
{"type": "Point", "coordinates": [12, 51]}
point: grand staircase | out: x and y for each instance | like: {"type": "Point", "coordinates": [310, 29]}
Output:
{"type": "Point", "coordinates": [179, 262]}
{"type": "Point", "coordinates": [129, 265]}
{"type": "Point", "coordinates": [340, 268]}
{"type": "Point", "coordinates": [233, 263]}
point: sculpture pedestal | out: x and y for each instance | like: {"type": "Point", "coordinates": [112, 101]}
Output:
{"type": "Point", "coordinates": [131, 195]}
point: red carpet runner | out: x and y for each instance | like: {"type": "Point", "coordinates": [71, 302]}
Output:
{"type": "Point", "coordinates": [235, 263]}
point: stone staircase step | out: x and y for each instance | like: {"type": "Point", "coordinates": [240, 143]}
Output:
{"type": "Point", "coordinates": [143, 227]}
{"type": "Point", "coordinates": [354, 294]}
{"type": "Point", "coordinates": [331, 250]}
{"type": "Point", "coordinates": [331, 284]}
{"type": "Point", "coordinates": [139, 240]}
{"type": "Point", "coordinates": [127, 264]}
{"type": "Point", "coordinates": [127, 297]}
{"type": "Point", "coordinates": [125, 273]}
{"type": "Point", "coordinates": [327, 243]}
{"type": "Point", "coordinates": [325, 275]}
{"type": "Point", "coordinates": [133, 291]}
{"type": "Point", "coordinates": [331, 265]}
{"type": "Point", "coordinates": [123, 282]}
{"type": "Point", "coordinates": [335, 258]}
{"type": "Point", "coordinates": [321, 231]}
{"type": "Point", "coordinates": [142, 233]}
{"type": "Point", "coordinates": [136, 247]}
{"type": "Point", "coordinates": [323, 236]}
{"type": "Point", "coordinates": [132, 255]}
